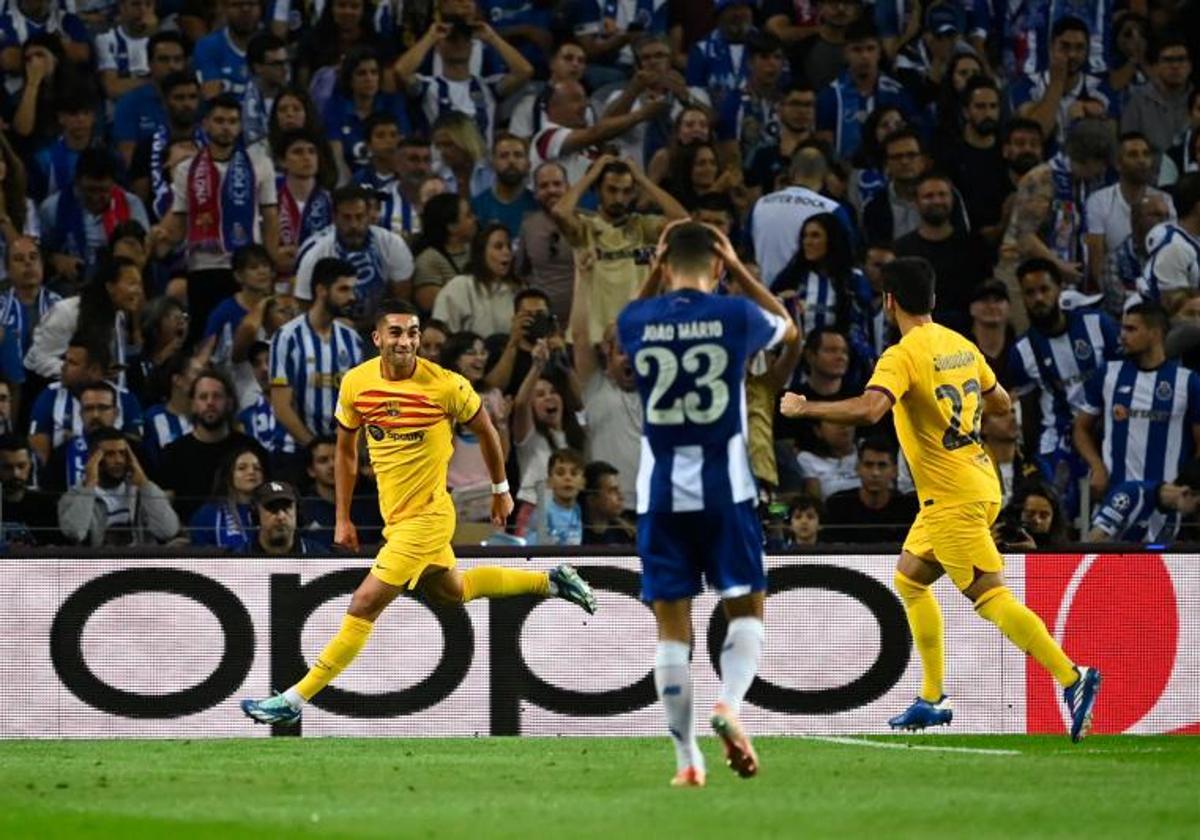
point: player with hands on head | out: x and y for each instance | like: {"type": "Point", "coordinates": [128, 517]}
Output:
{"type": "Point", "coordinates": [404, 407]}
{"type": "Point", "coordinates": [697, 495]}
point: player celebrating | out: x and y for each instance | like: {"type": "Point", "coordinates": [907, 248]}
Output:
{"type": "Point", "coordinates": [696, 493]}
{"type": "Point", "coordinates": [940, 386]}
{"type": "Point", "coordinates": [407, 405]}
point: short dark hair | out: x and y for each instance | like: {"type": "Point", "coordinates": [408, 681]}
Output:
{"type": "Point", "coordinates": [862, 29]}
{"type": "Point", "coordinates": [165, 37]}
{"type": "Point", "coordinates": [318, 440]}
{"type": "Point", "coordinates": [1069, 23]}
{"type": "Point", "coordinates": [226, 101]}
{"type": "Point", "coordinates": [128, 229]}
{"type": "Point", "coordinates": [377, 119]}
{"type": "Point", "coordinates": [437, 324]}
{"type": "Point", "coordinates": [103, 434]}
{"type": "Point", "coordinates": [101, 385]}
{"type": "Point", "coordinates": [616, 167]}
{"type": "Point", "coordinates": [812, 341]}
{"type": "Point", "coordinates": [1034, 265]}
{"type": "Point", "coordinates": [1186, 193]}
{"type": "Point", "coordinates": [508, 137]}
{"type": "Point", "coordinates": [1159, 44]}
{"type": "Point", "coordinates": [1132, 136]}
{"type": "Point", "coordinates": [1189, 475]}
{"type": "Point", "coordinates": [595, 471]}
{"type": "Point", "coordinates": [394, 306]}
{"type": "Point", "coordinates": [1021, 124]}
{"type": "Point", "coordinates": [256, 349]}
{"type": "Point", "coordinates": [977, 83]}
{"type": "Point", "coordinates": [805, 502]}
{"type": "Point", "coordinates": [75, 100]}
{"type": "Point", "coordinates": [349, 193]}
{"type": "Point", "coordinates": [763, 43]}
{"type": "Point", "coordinates": [690, 247]}
{"type": "Point", "coordinates": [329, 270]}
{"type": "Point", "coordinates": [456, 345]}
{"type": "Point", "coordinates": [1089, 139]}
{"type": "Point", "coordinates": [177, 78]}
{"type": "Point", "coordinates": [717, 202]}
{"type": "Point", "coordinates": [878, 443]}
{"type": "Point", "coordinates": [530, 292]}
{"type": "Point", "coordinates": [252, 253]}
{"type": "Point", "coordinates": [906, 132]}
{"type": "Point", "coordinates": [568, 456]}
{"type": "Point", "coordinates": [13, 443]}
{"type": "Point", "coordinates": [260, 45]}
{"type": "Point", "coordinates": [95, 163]}
{"type": "Point", "coordinates": [298, 135]}
{"type": "Point", "coordinates": [1152, 313]}
{"type": "Point", "coordinates": [935, 175]}
{"type": "Point", "coordinates": [911, 281]}
{"type": "Point", "coordinates": [216, 373]}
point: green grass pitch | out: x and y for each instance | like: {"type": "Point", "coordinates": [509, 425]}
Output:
{"type": "Point", "coordinates": [598, 787]}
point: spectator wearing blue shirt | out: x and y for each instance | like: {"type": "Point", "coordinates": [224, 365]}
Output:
{"type": "Point", "coordinates": [54, 165]}
{"type": "Point", "coordinates": [607, 29]}
{"type": "Point", "coordinates": [267, 57]}
{"type": "Point", "coordinates": [509, 199]}
{"type": "Point", "coordinates": [25, 19]}
{"type": "Point", "coordinates": [844, 105]}
{"type": "Point", "coordinates": [558, 518]}
{"type": "Point", "coordinates": [220, 57]}
{"type": "Point", "coordinates": [748, 117]}
{"type": "Point", "coordinates": [1147, 511]}
{"type": "Point", "coordinates": [257, 419]}
{"type": "Point", "coordinates": [121, 52]}
{"type": "Point", "coordinates": [356, 98]}
{"type": "Point", "coordinates": [227, 520]}
{"type": "Point", "coordinates": [167, 421]}
{"type": "Point", "coordinates": [175, 140]}
{"type": "Point", "coordinates": [1065, 92]}
{"type": "Point", "coordinates": [719, 64]}
{"type": "Point", "coordinates": [142, 112]}
{"type": "Point", "coordinates": [1150, 406]}
{"type": "Point", "coordinates": [526, 25]}
{"type": "Point", "coordinates": [22, 306]}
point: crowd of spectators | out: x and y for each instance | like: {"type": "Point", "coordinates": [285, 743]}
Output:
{"type": "Point", "coordinates": [201, 203]}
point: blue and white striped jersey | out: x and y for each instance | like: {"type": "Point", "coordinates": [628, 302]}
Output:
{"type": "Point", "coordinates": [313, 367]}
{"type": "Point", "coordinates": [1130, 513]}
{"type": "Point", "coordinates": [122, 53]}
{"type": "Point", "coordinates": [1149, 418]}
{"type": "Point", "coordinates": [689, 352]}
{"type": "Point", "coordinates": [1172, 262]}
{"type": "Point", "coordinates": [1057, 366]}
{"type": "Point", "coordinates": [163, 428]}
{"type": "Point", "coordinates": [258, 421]}
{"type": "Point", "coordinates": [55, 413]}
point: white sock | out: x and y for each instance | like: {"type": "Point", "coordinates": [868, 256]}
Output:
{"type": "Point", "coordinates": [739, 659]}
{"type": "Point", "coordinates": [293, 698]}
{"type": "Point", "coordinates": [673, 679]}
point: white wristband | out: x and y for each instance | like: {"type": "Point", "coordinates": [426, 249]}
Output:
{"type": "Point", "coordinates": [502, 487]}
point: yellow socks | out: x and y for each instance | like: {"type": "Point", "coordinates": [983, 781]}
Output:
{"type": "Point", "coordinates": [339, 653]}
{"type": "Point", "coordinates": [498, 582]}
{"type": "Point", "coordinates": [925, 622]}
{"type": "Point", "coordinates": [1025, 630]}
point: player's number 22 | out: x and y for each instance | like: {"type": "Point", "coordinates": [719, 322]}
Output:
{"type": "Point", "coordinates": [704, 405]}
{"type": "Point", "coordinates": [954, 437]}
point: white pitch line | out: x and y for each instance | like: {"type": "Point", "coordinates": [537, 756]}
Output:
{"type": "Point", "coordinates": [885, 745]}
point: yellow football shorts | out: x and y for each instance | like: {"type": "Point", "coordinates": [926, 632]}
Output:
{"type": "Point", "coordinates": [412, 546]}
{"type": "Point", "coordinates": [958, 538]}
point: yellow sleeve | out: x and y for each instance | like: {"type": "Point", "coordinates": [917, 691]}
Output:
{"type": "Point", "coordinates": [891, 375]}
{"type": "Point", "coordinates": [345, 413]}
{"type": "Point", "coordinates": [459, 398]}
{"type": "Point", "coordinates": [987, 377]}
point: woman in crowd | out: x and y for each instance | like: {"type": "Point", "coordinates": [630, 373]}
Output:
{"type": "Point", "coordinates": [824, 289]}
{"type": "Point", "coordinates": [18, 214]}
{"type": "Point", "coordinates": [1041, 514]}
{"type": "Point", "coordinates": [164, 332]}
{"type": "Point", "coordinates": [945, 112]}
{"type": "Point", "coordinates": [107, 314]}
{"type": "Point", "coordinates": [468, 478]}
{"type": "Point", "coordinates": [544, 418]}
{"type": "Point", "coordinates": [293, 110]}
{"type": "Point", "coordinates": [342, 26]}
{"type": "Point", "coordinates": [448, 227]}
{"type": "Point", "coordinates": [227, 521]}
{"type": "Point", "coordinates": [867, 174]}
{"type": "Point", "coordinates": [1127, 51]}
{"type": "Point", "coordinates": [696, 171]}
{"type": "Point", "coordinates": [462, 159]}
{"type": "Point", "coordinates": [692, 125]}
{"type": "Point", "coordinates": [482, 301]}
{"type": "Point", "coordinates": [358, 95]}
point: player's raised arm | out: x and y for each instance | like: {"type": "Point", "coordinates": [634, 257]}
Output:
{"type": "Point", "coordinates": [493, 456]}
{"type": "Point", "coordinates": [867, 409]}
{"type": "Point", "coordinates": [345, 475]}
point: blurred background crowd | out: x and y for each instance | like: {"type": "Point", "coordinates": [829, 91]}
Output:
{"type": "Point", "coordinates": [200, 203]}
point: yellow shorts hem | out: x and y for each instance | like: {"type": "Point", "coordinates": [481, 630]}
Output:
{"type": "Point", "coordinates": [958, 538]}
{"type": "Point", "coordinates": [408, 575]}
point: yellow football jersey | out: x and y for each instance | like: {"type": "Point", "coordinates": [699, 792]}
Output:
{"type": "Point", "coordinates": [937, 379]}
{"type": "Point", "coordinates": [409, 432]}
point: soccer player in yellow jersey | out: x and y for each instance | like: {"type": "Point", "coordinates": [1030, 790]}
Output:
{"type": "Point", "coordinates": [406, 405]}
{"type": "Point", "coordinates": [939, 386]}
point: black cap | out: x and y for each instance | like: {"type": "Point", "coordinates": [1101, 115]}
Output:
{"type": "Point", "coordinates": [990, 289]}
{"type": "Point", "coordinates": [274, 491]}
